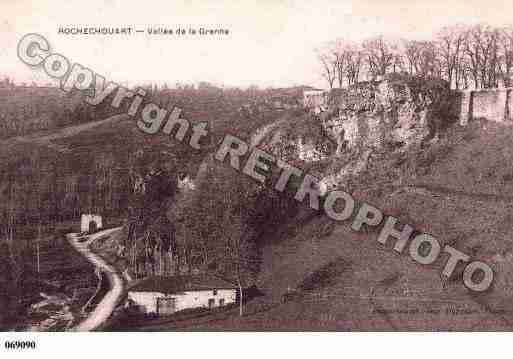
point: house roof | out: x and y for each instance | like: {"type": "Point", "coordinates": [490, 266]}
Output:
{"type": "Point", "coordinates": [182, 283]}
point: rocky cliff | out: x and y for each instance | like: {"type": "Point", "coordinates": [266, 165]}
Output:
{"type": "Point", "coordinates": [363, 122]}
{"type": "Point", "coordinates": [399, 110]}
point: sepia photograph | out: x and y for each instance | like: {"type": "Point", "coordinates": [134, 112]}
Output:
{"type": "Point", "coordinates": [218, 167]}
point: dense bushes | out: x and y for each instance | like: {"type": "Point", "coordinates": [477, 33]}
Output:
{"type": "Point", "coordinates": [227, 219]}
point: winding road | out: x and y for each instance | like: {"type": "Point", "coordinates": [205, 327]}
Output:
{"type": "Point", "coordinates": [45, 138]}
{"type": "Point", "coordinates": [106, 306]}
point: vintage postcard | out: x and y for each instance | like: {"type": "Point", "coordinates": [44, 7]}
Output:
{"type": "Point", "coordinates": [334, 166]}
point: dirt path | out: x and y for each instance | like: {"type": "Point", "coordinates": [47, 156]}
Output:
{"type": "Point", "coordinates": [46, 138]}
{"type": "Point", "coordinates": [106, 306]}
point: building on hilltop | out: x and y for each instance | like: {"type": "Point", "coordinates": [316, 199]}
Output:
{"type": "Point", "coordinates": [90, 223]}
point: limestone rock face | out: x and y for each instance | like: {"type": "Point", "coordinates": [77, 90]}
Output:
{"type": "Point", "coordinates": [399, 109]}
{"type": "Point", "coordinates": [295, 139]}
{"type": "Point", "coordinates": [361, 123]}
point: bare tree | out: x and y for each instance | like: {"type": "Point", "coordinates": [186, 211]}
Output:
{"type": "Point", "coordinates": [450, 46]}
{"type": "Point", "coordinates": [429, 64]}
{"type": "Point", "coordinates": [354, 60]}
{"type": "Point", "coordinates": [506, 55]}
{"type": "Point", "coordinates": [329, 67]}
{"type": "Point", "coordinates": [237, 233]}
{"type": "Point", "coordinates": [341, 62]}
{"type": "Point", "coordinates": [379, 56]}
{"type": "Point", "coordinates": [234, 237]}
{"type": "Point", "coordinates": [481, 50]}
{"type": "Point", "coordinates": [460, 54]}
{"type": "Point", "coordinates": [350, 57]}
{"type": "Point", "coordinates": [412, 53]}
{"type": "Point", "coordinates": [339, 58]}
{"type": "Point", "coordinates": [421, 58]}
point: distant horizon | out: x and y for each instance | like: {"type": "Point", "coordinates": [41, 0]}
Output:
{"type": "Point", "coordinates": [161, 85]}
{"type": "Point", "coordinates": [271, 44]}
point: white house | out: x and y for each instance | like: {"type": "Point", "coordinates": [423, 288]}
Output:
{"type": "Point", "coordinates": [166, 295]}
{"type": "Point", "coordinates": [90, 223]}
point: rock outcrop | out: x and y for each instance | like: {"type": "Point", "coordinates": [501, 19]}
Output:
{"type": "Point", "coordinates": [399, 111]}
{"type": "Point", "coordinates": [297, 138]}
{"type": "Point", "coordinates": [362, 122]}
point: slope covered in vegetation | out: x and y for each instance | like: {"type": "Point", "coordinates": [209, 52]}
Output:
{"type": "Point", "coordinates": [453, 182]}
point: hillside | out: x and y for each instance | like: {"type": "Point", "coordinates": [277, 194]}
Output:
{"type": "Point", "coordinates": [52, 173]}
{"type": "Point", "coordinates": [394, 144]}
{"type": "Point", "coordinates": [317, 274]}
{"type": "Point", "coordinates": [343, 280]}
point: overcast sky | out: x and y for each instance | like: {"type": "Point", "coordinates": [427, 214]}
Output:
{"type": "Point", "coordinates": [271, 43]}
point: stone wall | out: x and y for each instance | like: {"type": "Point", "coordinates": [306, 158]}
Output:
{"type": "Point", "coordinates": [464, 100]}
{"type": "Point", "coordinates": [493, 105]}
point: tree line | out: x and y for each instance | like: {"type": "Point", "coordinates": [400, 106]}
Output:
{"type": "Point", "coordinates": [467, 56]}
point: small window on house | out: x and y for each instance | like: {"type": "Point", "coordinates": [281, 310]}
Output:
{"type": "Point", "coordinates": [215, 291]}
{"type": "Point", "coordinates": [221, 302]}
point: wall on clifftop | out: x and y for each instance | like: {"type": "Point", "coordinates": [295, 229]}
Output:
{"type": "Point", "coordinates": [493, 105]}
{"type": "Point", "coordinates": [363, 113]}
